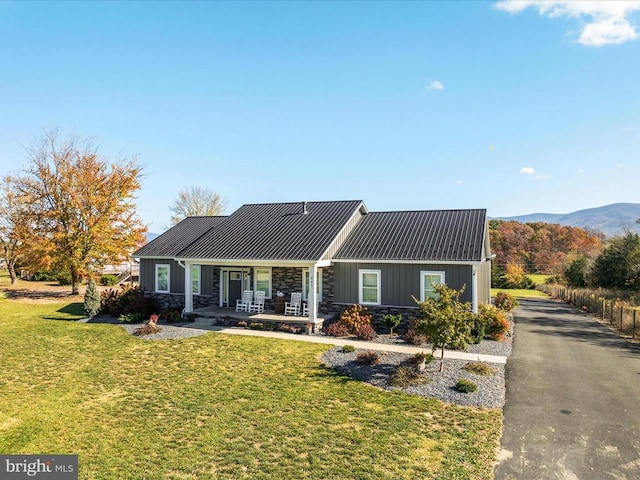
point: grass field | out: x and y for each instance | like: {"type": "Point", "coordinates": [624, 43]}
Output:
{"type": "Point", "coordinates": [518, 293]}
{"type": "Point", "coordinates": [217, 407]}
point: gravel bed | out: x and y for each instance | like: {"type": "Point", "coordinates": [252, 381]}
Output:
{"type": "Point", "coordinates": [441, 385]}
{"type": "Point", "coordinates": [168, 332]}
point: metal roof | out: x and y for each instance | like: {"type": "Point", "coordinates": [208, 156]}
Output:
{"type": "Point", "coordinates": [431, 235]}
{"type": "Point", "coordinates": [275, 231]}
{"type": "Point", "coordinates": [178, 237]}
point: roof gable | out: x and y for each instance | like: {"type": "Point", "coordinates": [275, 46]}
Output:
{"type": "Point", "coordinates": [178, 237]}
{"type": "Point", "coordinates": [275, 231]}
{"type": "Point", "coordinates": [428, 235]}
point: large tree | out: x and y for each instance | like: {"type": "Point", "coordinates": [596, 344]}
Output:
{"type": "Point", "coordinates": [81, 206]}
{"type": "Point", "coordinates": [196, 202]}
{"type": "Point", "coordinates": [618, 266]}
{"type": "Point", "coordinates": [14, 227]}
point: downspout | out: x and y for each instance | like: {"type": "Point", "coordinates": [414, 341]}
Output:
{"type": "Point", "coordinates": [474, 288]}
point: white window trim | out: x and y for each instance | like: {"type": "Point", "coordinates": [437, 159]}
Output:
{"type": "Point", "coordinates": [423, 273]}
{"type": "Point", "coordinates": [305, 273]}
{"type": "Point", "coordinates": [196, 267]}
{"type": "Point", "coordinates": [378, 274]}
{"type": "Point", "coordinates": [255, 280]}
{"type": "Point", "coordinates": [168, 266]}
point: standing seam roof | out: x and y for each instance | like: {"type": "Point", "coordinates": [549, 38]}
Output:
{"type": "Point", "coordinates": [428, 235]}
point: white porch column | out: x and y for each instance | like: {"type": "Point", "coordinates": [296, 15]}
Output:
{"type": "Point", "coordinates": [188, 294]}
{"type": "Point", "coordinates": [312, 298]}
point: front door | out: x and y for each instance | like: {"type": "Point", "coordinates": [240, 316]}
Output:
{"type": "Point", "coordinates": [235, 287]}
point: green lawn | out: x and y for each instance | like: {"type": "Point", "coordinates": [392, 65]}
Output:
{"type": "Point", "coordinates": [217, 407]}
{"type": "Point", "coordinates": [538, 278]}
{"type": "Point", "coordinates": [518, 292]}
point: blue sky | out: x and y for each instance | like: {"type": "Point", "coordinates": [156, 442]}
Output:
{"type": "Point", "coordinates": [514, 107]}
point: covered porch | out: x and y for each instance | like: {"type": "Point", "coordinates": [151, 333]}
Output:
{"type": "Point", "coordinates": [229, 317]}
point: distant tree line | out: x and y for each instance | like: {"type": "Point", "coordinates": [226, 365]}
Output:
{"type": "Point", "coordinates": [575, 256]}
{"type": "Point", "coordinates": [537, 247]}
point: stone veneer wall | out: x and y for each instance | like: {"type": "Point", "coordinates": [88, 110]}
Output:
{"type": "Point", "coordinates": [408, 316]}
{"type": "Point", "coordinates": [176, 300]}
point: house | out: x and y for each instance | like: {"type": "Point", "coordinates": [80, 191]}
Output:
{"type": "Point", "coordinates": [336, 253]}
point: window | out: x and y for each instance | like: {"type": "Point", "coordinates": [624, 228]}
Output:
{"type": "Point", "coordinates": [427, 281]}
{"type": "Point", "coordinates": [162, 278]}
{"type": "Point", "coordinates": [262, 281]}
{"type": "Point", "coordinates": [305, 285]}
{"type": "Point", "coordinates": [195, 279]}
{"type": "Point", "coordinates": [369, 287]}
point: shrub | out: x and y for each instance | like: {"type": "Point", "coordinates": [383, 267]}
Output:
{"type": "Point", "coordinates": [392, 321]}
{"type": "Point", "coordinates": [91, 299]}
{"type": "Point", "coordinates": [404, 377]}
{"type": "Point", "coordinates": [149, 329]}
{"type": "Point", "coordinates": [128, 300]}
{"type": "Point", "coordinates": [354, 317]}
{"type": "Point", "coordinates": [505, 302]}
{"type": "Point", "coordinates": [368, 357]}
{"type": "Point", "coordinates": [497, 324]}
{"type": "Point", "coordinates": [256, 326]}
{"type": "Point", "coordinates": [414, 337]}
{"type": "Point", "coordinates": [45, 276]}
{"type": "Point", "coordinates": [348, 349]}
{"type": "Point", "coordinates": [479, 328]}
{"type": "Point", "coordinates": [241, 324]}
{"type": "Point", "coordinates": [172, 315]}
{"type": "Point", "coordinates": [337, 329]}
{"type": "Point", "coordinates": [64, 278]}
{"type": "Point", "coordinates": [478, 368]}
{"type": "Point", "coordinates": [108, 280]}
{"type": "Point", "coordinates": [366, 332]}
{"type": "Point", "coordinates": [466, 386]}
{"type": "Point", "coordinates": [288, 328]}
{"type": "Point", "coordinates": [420, 357]}
{"type": "Point", "coordinates": [131, 318]}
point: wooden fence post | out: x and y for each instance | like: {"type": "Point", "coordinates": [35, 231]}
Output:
{"type": "Point", "coordinates": [613, 303]}
{"type": "Point", "coordinates": [604, 305]}
{"type": "Point", "coordinates": [633, 330]}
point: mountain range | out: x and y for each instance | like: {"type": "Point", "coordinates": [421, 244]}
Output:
{"type": "Point", "coordinates": [612, 220]}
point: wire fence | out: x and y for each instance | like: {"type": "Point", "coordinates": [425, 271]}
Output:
{"type": "Point", "coordinates": [618, 313]}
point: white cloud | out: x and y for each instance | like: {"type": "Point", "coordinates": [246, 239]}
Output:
{"type": "Point", "coordinates": [436, 85]}
{"type": "Point", "coordinates": [527, 171]}
{"type": "Point", "coordinates": [604, 22]}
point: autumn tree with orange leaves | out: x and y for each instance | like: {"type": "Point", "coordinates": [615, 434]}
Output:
{"type": "Point", "coordinates": [14, 230]}
{"type": "Point", "coordinates": [80, 206]}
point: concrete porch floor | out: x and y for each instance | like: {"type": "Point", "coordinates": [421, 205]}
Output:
{"type": "Point", "coordinates": [224, 316]}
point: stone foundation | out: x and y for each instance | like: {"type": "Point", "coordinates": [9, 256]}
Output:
{"type": "Point", "coordinates": [409, 314]}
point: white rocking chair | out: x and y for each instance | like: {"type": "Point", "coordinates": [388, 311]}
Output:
{"type": "Point", "coordinates": [243, 304]}
{"type": "Point", "coordinates": [293, 307]}
{"type": "Point", "coordinates": [257, 305]}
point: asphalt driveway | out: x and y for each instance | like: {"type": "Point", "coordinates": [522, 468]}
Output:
{"type": "Point", "coordinates": [573, 399]}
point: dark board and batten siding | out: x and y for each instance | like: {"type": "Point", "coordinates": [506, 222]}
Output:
{"type": "Point", "coordinates": [398, 281]}
{"type": "Point", "coordinates": [176, 276]}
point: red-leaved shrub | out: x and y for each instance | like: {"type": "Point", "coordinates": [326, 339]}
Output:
{"type": "Point", "coordinates": [366, 332]}
{"type": "Point", "coordinates": [337, 330]}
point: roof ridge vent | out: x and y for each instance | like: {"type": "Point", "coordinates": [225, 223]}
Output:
{"type": "Point", "coordinates": [304, 208]}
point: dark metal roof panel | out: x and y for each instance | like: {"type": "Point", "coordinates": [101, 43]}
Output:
{"type": "Point", "coordinates": [427, 235]}
{"type": "Point", "coordinates": [276, 231]}
{"type": "Point", "coordinates": [178, 237]}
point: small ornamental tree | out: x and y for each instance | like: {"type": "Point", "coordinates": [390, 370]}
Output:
{"type": "Point", "coordinates": [91, 299]}
{"type": "Point", "coordinates": [391, 321]}
{"type": "Point", "coordinates": [446, 320]}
